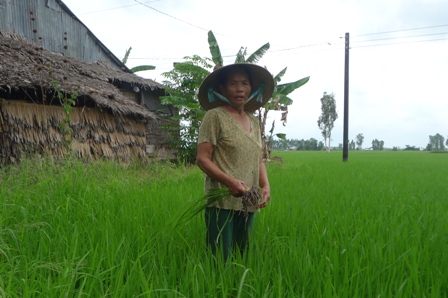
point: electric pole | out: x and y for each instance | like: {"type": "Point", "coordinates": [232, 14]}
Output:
{"type": "Point", "coordinates": [346, 89]}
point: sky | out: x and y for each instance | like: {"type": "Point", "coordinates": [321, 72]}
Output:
{"type": "Point", "coordinates": [398, 57]}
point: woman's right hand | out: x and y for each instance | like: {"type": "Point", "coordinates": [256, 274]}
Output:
{"type": "Point", "coordinates": [237, 187]}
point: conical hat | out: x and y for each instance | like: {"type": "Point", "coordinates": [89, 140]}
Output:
{"type": "Point", "coordinates": [258, 75]}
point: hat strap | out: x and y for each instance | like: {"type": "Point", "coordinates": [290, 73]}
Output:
{"type": "Point", "coordinates": [257, 94]}
{"type": "Point", "coordinates": [212, 93]}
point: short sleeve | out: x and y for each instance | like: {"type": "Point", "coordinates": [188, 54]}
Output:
{"type": "Point", "coordinates": [210, 128]}
{"type": "Point", "coordinates": [256, 127]}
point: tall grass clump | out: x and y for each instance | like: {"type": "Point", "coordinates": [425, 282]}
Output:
{"type": "Point", "coordinates": [375, 226]}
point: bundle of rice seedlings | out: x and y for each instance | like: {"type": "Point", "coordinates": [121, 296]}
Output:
{"type": "Point", "coordinates": [251, 197]}
{"type": "Point", "coordinates": [197, 206]}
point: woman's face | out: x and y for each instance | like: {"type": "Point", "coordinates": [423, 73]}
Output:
{"type": "Point", "coordinates": [237, 88]}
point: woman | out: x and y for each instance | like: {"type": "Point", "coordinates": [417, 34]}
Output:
{"type": "Point", "coordinates": [230, 151]}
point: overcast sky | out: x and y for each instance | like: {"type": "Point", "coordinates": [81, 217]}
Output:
{"type": "Point", "coordinates": [398, 56]}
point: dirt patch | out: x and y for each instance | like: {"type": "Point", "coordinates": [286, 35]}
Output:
{"type": "Point", "coordinates": [277, 159]}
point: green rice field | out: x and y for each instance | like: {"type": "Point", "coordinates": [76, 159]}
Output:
{"type": "Point", "coordinates": [374, 226]}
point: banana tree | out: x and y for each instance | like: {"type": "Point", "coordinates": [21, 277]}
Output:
{"type": "Point", "coordinates": [240, 56]}
{"type": "Point", "coordinates": [279, 100]}
{"type": "Point", "coordinates": [254, 57]}
{"type": "Point", "coordinates": [136, 68]}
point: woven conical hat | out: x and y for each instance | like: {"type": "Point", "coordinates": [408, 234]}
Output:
{"type": "Point", "coordinates": [257, 75]}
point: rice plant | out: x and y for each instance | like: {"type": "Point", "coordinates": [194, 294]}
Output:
{"type": "Point", "coordinates": [374, 226]}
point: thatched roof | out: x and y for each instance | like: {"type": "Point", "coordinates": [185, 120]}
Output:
{"type": "Point", "coordinates": [25, 129]}
{"type": "Point", "coordinates": [25, 65]}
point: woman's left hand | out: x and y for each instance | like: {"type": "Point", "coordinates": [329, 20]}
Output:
{"type": "Point", "coordinates": [266, 197]}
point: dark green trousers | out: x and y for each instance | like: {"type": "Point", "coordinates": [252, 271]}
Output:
{"type": "Point", "coordinates": [227, 230]}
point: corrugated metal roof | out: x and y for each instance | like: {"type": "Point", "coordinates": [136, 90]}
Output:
{"type": "Point", "coordinates": [51, 24]}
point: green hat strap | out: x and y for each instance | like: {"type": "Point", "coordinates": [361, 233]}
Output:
{"type": "Point", "coordinates": [257, 94]}
{"type": "Point", "coordinates": [211, 96]}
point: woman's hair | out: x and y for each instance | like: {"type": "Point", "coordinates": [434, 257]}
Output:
{"type": "Point", "coordinates": [224, 74]}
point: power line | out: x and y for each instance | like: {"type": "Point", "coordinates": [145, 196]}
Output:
{"type": "Point", "coordinates": [286, 49]}
{"type": "Point", "coordinates": [395, 43]}
{"type": "Point", "coordinates": [401, 37]}
{"type": "Point", "coordinates": [402, 30]}
{"type": "Point", "coordinates": [180, 20]}
{"type": "Point", "coordinates": [304, 46]}
{"type": "Point", "coordinates": [333, 44]}
{"type": "Point", "coordinates": [329, 46]}
{"type": "Point", "coordinates": [332, 48]}
{"type": "Point", "coordinates": [188, 23]}
{"type": "Point", "coordinates": [113, 8]}
{"type": "Point", "coordinates": [292, 48]}
{"type": "Point", "coordinates": [298, 47]}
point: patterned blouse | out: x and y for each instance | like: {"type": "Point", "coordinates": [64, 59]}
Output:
{"type": "Point", "coordinates": [236, 152]}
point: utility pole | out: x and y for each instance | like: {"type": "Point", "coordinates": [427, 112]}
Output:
{"type": "Point", "coordinates": [345, 135]}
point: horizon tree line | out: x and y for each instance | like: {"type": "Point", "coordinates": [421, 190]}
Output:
{"type": "Point", "coordinates": [436, 143]}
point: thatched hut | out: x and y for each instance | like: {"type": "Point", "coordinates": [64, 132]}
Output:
{"type": "Point", "coordinates": [107, 120]}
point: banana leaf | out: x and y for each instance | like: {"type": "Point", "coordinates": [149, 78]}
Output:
{"type": "Point", "coordinates": [279, 76]}
{"type": "Point", "coordinates": [285, 89]}
{"type": "Point", "coordinates": [126, 55]}
{"type": "Point", "coordinates": [142, 68]}
{"type": "Point", "coordinates": [258, 54]}
{"type": "Point", "coordinates": [285, 100]}
{"type": "Point", "coordinates": [240, 57]}
{"type": "Point", "coordinates": [214, 49]}
{"type": "Point", "coordinates": [281, 136]}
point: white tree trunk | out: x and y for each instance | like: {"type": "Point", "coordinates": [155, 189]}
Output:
{"type": "Point", "coordinates": [328, 146]}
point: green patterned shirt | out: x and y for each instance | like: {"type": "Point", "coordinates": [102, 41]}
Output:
{"type": "Point", "coordinates": [236, 152]}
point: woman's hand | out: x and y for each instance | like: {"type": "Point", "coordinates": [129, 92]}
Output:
{"type": "Point", "coordinates": [264, 184]}
{"type": "Point", "coordinates": [237, 187]}
{"type": "Point", "coordinates": [266, 197]}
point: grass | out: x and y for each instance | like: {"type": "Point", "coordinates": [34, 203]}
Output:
{"type": "Point", "coordinates": [375, 226]}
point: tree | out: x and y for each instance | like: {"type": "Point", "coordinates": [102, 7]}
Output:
{"type": "Point", "coordinates": [240, 56]}
{"type": "Point", "coordinates": [352, 145]}
{"type": "Point", "coordinates": [436, 143]}
{"type": "Point", "coordinates": [359, 140]}
{"type": "Point", "coordinates": [184, 81]}
{"type": "Point", "coordinates": [320, 146]}
{"type": "Point", "coordinates": [279, 100]}
{"type": "Point", "coordinates": [377, 145]}
{"type": "Point", "coordinates": [294, 144]}
{"type": "Point", "coordinates": [411, 148]}
{"type": "Point", "coordinates": [267, 144]}
{"type": "Point", "coordinates": [311, 144]}
{"type": "Point", "coordinates": [327, 118]}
